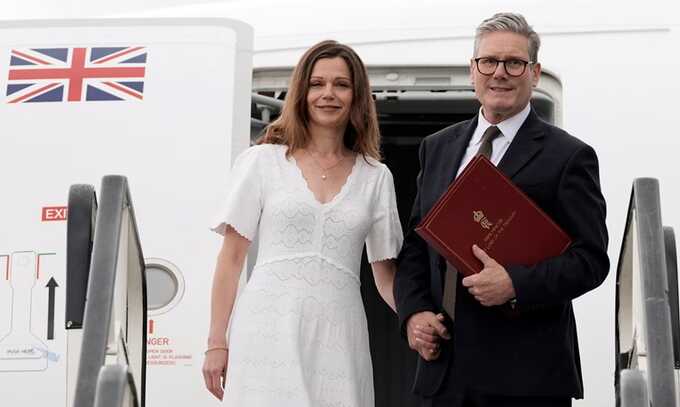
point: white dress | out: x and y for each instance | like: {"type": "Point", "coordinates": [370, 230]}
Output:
{"type": "Point", "coordinates": [298, 336]}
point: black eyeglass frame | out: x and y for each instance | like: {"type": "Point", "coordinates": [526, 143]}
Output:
{"type": "Point", "coordinates": [505, 67]}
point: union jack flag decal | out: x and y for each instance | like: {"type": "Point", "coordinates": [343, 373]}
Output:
{"type": "Point", "coordinates": [76, 74]}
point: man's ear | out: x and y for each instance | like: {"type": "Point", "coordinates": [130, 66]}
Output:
{"type": "Point", "coordinates": [472, 71]}
{"type": "Point", "coordinates": [537, 73]}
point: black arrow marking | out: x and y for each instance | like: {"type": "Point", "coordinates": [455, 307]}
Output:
{"type": "Point", "coordinates": [51, 285]}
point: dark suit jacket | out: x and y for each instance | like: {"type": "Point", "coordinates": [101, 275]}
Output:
{"type": "Point", "coordinates": [536, 353]}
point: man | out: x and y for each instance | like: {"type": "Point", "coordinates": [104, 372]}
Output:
{"type": "Point", "coordinates": [510, 339]}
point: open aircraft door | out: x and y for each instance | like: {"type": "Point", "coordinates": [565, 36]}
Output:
{"type": "Point", "coordinates": [164, 102]}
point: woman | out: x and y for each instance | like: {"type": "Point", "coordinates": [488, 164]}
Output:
{"type": "Point", "coordinates": [315, 190]}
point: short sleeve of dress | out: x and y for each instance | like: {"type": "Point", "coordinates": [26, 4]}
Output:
{"type": "Point", "coordinates": [385, 236]}
{"type": "Point", "coordinates": [243, 202]}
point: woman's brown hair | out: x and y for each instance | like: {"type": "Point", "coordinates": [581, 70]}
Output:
{"type": "Point", "coordinates": [362, 134]}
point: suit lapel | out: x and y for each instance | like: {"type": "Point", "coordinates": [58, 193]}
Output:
{"type": "Point", "coordinates": [526, 144]}
{"type": "Point", "coordinates": [447, 158]}
{"type": "Point", "coordinates": [456, 150]}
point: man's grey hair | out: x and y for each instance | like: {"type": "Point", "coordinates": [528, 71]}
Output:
{"type": "Point", "coordinates": [511, 22]}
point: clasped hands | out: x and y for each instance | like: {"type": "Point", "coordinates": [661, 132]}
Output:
{"type": "Point", "coordinates": [425, 330]}
{"type": "Point", "coordinates": [491, 286]}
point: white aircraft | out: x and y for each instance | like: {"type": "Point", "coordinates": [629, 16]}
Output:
{"type": "Point", "coordinates": [608, 78]}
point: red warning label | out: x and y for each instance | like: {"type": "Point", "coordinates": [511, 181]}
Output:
{"type": "Point", "coordinates": [162, 351]}
{"type": "Point", "coordinates": [54, 213]}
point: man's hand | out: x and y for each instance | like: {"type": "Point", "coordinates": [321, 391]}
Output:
{"type": "Point", "coordinates": [425, 330]}
{"type": "Point", "coordinates": [492, 285]}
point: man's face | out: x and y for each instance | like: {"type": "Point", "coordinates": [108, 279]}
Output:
{"type": "Point", "coordinates": [500, 94]}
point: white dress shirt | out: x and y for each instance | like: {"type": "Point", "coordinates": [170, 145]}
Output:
{"type": "Point", "coordinates": [508, 127]}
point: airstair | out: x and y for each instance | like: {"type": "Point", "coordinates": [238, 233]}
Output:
{"type": "Point", "coordinates": [647, 320]}
{"type": "Point", "coordinates": [106, 310]}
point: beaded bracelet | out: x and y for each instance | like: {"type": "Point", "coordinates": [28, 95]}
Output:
{"type": "Point", "coordinates": [216, 348]}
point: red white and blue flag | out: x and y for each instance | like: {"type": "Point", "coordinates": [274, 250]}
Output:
{"type": "Point", "coordinates": [76, 74]}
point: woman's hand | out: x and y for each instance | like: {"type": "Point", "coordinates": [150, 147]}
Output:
{"type": "Point", "coordinates": [215, 370]}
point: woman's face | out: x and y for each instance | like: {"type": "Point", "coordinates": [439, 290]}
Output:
{"type": "Point", "coordinates": [330, 94]}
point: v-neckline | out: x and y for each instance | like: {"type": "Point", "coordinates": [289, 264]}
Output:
{"type": "Point", "coordinates": [345, 186]}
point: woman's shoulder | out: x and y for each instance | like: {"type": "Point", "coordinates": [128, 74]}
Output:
{"type": "Point", "coordinates": [373, 164]}
{"type": "Point", "coordinates": [257, 152]}
{"type": "Point", "coordinates": [266, 148]}
{"type": "Point", "coordinates": [375, 167]}
{"type": "Point", "coordinates": [375, 172]}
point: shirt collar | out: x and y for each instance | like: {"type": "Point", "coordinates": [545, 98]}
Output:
{"type": "Point", "coordinates": [508, 127]}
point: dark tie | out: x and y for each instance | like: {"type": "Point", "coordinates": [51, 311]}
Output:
{"type": "Point", "coordinates": [449, 300]}
{"type": "Point", "coordinates": [488, 137]}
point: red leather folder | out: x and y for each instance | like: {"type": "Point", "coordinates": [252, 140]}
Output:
{"type": "Point", "coordinates": [485, 208]}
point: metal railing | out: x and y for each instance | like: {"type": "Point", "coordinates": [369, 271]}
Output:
{"type": "Point", "coordinates": [115, 387]}
{"type": "Point", "coordinates": [646, 310]}
{"type": "Point", "coordinates": [82, 207]}
{"type": "Point", "coordinates": [112, 366]}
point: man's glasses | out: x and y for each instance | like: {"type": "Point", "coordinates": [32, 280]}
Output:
{"type": "Point", "coordinates": [513, 67]}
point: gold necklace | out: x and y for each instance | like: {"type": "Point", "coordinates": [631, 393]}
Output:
{"type": "Point", "coordinates": [323, 169]}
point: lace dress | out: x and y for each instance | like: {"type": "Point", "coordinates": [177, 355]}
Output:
{"type": "Point", "coordinates": [298, 336]}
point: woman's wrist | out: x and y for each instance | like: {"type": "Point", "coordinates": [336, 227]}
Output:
{"type": "Point", "coordinates": [217, 340]}
{"type": "Point", "coordinates": [216, 348]}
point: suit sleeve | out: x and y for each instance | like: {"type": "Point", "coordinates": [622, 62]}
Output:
{"type": "Point", "coordinates": [412, 281]}
{"type": "Point", "coordinates": [581, 211]}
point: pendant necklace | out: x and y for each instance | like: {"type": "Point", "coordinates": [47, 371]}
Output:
{"type": "Point", "coordinates": [324, 170]}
